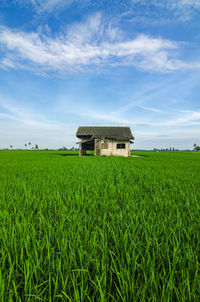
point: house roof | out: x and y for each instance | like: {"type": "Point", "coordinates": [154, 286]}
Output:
{"type": "Point", "coordinates": [105, 132]}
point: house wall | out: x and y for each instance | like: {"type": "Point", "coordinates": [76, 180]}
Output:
{"type": "Point", "coordinates": [112, 147]}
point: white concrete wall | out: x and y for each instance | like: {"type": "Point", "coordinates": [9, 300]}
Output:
{"type": "Point", "coordinates": [112, 148]}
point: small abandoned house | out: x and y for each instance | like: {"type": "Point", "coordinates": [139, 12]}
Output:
{"type": "Point", "coordinates": [105, 140]}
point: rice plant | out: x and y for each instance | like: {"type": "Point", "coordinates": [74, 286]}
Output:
{"type": "Point", "coordinates": [99, 228]}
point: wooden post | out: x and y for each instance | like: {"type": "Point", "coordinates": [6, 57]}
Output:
{"type": "Point", "coordinates": [95, 147]}
{"type": "Point", "coordinates": [80, 149]}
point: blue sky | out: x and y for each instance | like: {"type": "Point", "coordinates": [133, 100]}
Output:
{"type": "Point", "coordinates": [65, 63]}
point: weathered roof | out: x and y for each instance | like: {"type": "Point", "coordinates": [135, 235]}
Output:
{"type": "Point", "coordinates": [105, 132]}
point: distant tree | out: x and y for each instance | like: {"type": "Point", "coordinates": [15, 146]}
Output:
{"type": "Point", "coordinates": [196, 148]}
{"type": "Point", "coordinates": [63, 149]}
{"type": "Point", "coordinates": [11, 146]}
{"type": "Point", "coordinates": [36, 147]}
{"type": "Point", "coordinates": [25, 145]}
{"type": "Point", "coordinates": [29, 143]}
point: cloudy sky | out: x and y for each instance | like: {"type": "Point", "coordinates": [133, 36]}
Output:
{"type": "Point", "coordinates": [65, 63]}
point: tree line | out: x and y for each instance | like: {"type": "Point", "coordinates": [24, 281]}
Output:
{"type": "Point", "coordinates": [26, 145]}
{"type": "Point", "coordinates": [36, 147]}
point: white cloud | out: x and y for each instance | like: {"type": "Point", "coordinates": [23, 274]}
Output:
{"type": "Point", "coordinates": [85, 46]}
{"type": "Point", "coordinates": [42, 6]}
{"type": "Point", "coordinates": [185, 3]}
{"type": "Point", "coordinates": [188, 117]}
{"type": "Point", "coordinates": [169, 4]}
{"type": "Point", "coordinates": [183, 118]}
{"type": "Point", "coordinates": [183, 9]}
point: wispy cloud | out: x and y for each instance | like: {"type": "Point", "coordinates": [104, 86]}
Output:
{"type": "Point", "coordinates": [178, 7]}
{"type": "Point", "coordinates": [168, 3]}
{"type": "Point", "coordinates": [110, 118]}
{"type": "Point", "coordinates": [43, 6]}
{"type": "Point", "coordinates": [184, 7]}
{"type": "Point", "coordinates": [185, 118]}
{"type": "Point", "coordinates": [180, 118]}
{"type": "Point", "coordinates": [88, 45]}
{"type": "Point", "coordinates": [164, 119]}
{"type": "Point", "coordinates": [26, 124]}
{"type": "Point", "coordinates": [161, 12]}
{"type": "Point", "coordinates": [19, 125]}
{"type": "Point", "coordinates": [25, 116]}
{"type": "Point", "coordinates": [156, 110]}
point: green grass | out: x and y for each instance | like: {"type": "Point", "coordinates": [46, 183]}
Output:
{"type": "Point", "coordinates": [99, 228]}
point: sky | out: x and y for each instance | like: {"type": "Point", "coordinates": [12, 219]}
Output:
{"type": "Point", "coordinates": [70, 63]}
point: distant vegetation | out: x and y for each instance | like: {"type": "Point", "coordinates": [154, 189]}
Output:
{"type": "Point", "coordinates": [99, 228]}
{"type": "Point", "coordinates": [28, 147]}
{"type": "Point", "coordinates": [196, 148]}
{"type": "Point", "coordinates": [68, 149]}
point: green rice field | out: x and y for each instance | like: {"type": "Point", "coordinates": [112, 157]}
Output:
{"type": "Point", "coordinates": [99, 228]}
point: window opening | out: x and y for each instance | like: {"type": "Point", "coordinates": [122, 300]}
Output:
{"type": "Point", "coordinates": [121, 146]}
{"type": "Point", "coordinates": [104, 145]}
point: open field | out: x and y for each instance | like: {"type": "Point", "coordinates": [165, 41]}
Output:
{"type": "Point", "coordinates": [99, 228]}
